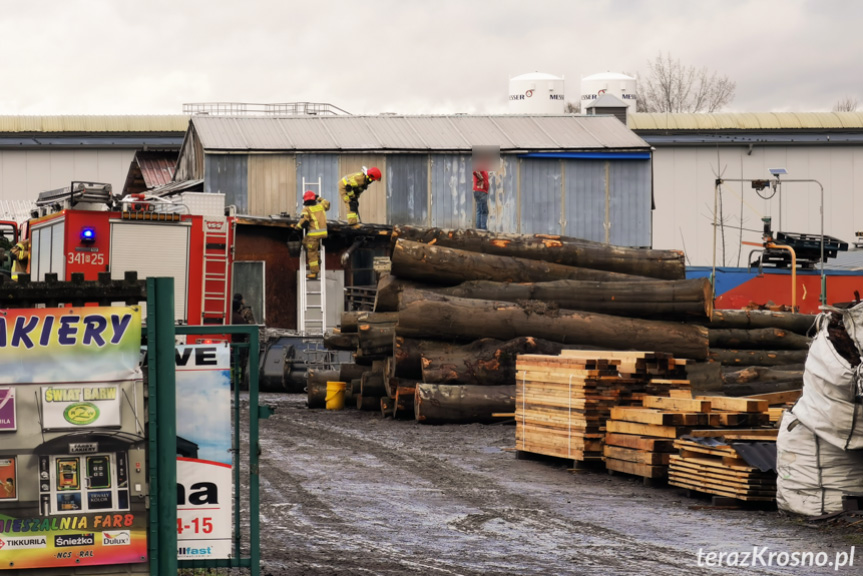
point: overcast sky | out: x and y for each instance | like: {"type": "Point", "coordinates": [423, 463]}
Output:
{"type": "Point", "coordinates": [410, 56]}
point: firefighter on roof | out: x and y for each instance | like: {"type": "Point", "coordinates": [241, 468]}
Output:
{"type": "Point", "coordinates": [352, 185]}
{"type": "Point", "coordinates": [314, 219]}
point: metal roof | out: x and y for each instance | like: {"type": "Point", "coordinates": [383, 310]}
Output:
{"type": "Point", "coordinates": [415, 133]}
{"type": "Point", "coordinates": [607, 101]}
{"type": "Point", "coordinates": [157, 168]}
{"type": "Point", "coordinates": [747, 121]}
{"type": "Point", "coordinates": [102, 124]}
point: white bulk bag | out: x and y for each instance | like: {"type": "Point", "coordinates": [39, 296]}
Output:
{"type": "Point", "coordinates": [812, 475]}
{"type": "Point", "coordinates": [827, 406]}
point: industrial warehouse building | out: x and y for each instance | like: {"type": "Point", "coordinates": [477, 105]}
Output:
{"type": "Point", "coordinates": [39, 153]}
{"type": "Point", "coordinates": [575, 175]}
{"type": "Point", "coordinates": [692, 150]}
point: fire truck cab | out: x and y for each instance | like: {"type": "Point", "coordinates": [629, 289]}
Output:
{"type": "Point", "coordinates": [84, 228]}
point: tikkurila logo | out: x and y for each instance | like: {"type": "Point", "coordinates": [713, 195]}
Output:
{"type": "Point", "coordinates": [23, 542]}
{"type": "Point", "coordinates": [116, 538]}
{"type": "Point", "coordinates": [74, 540]}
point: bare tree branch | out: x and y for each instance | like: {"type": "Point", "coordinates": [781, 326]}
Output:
{"type": "Point", "coordinates": [846, 104]}
{"type": "Point", "coordinates": [670, 86]}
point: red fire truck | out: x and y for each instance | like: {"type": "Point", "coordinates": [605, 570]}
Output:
{"type": "Point", "coordinates": [85, 228]}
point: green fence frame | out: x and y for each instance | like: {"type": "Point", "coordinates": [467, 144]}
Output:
{"type": "Point", "coordinates": [161, 333]}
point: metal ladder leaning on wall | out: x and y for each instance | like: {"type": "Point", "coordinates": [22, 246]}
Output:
{"type": "Point", "coordinates": [216, 260]}
{"type": "Point", "coordinates": [312, 319]}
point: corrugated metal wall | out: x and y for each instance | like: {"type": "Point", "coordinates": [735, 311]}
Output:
{"type": "Point", "coordinates": [585, 199]}
{"type": "Point", "coordinates": [601, 200]}
{"type": "Point", "coordinates": [608, 200]}
{"type": "Point", "coordinates": [630, 203]}
{"type": "Point", "coordinates": [503, 196]}
{"type": "Point", "coordinates": [373, 202]}
{"type": "Point", "coordinates": [407, 189]}
{"type": "Point", "coordinates": [540, 185]}
{"type": "Point", "coordinates": [228, 174]}
{"type": "Point", "coordinates": [313, 167]}
{"type": "Point", "coordinates": [26, 173]}
{"type": "Point", "coordinates": [451, 191]}
{"type": "Point", "coordinates": [272, 179]}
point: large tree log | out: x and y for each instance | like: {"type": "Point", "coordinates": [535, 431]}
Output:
{"type": "Point", "coordinates": [348, 372]}
{"type": "Point", "coordinates": [376, 340]}
{"type": "Point", "coordinates": [751, 388]}
{"type": "Point", "coordinates": [757, 357]}
{"type": "Point", "coordinates": [407, 355]}
{"type": "Point", "coordinates": [404, 402]}
{"type": "Point", "coordinates": [338, 341]}
{"type": "Point", "coordinates": [642, 299]}
{"type": "Point", "coordinates": [486, 362]}
{"type": "Point", "coordinates": [349, 322]}
{"type": "Point", "coordinates": [666, 299]}
{"type": "Point", "coordinates": [387, 406]}
{"type": "Point", "coordinates": [758, 339]}
{"type": "Point", "coordinates": [440, 403]}
{"type": "Point", "coordinates": [373, 385]}
{"type": "Point", "coordinates": [389, 287]}
{"type": "Point", "coordinates": [449, 266]}
{"type": "Point", "coordinates": [750, 319]}
{"type": "Point", "coordinates": [428, 315]}
{"type": "Point", "coordinates": [761, 374]}
{"type": "Point", "coordinates": [663, 264]}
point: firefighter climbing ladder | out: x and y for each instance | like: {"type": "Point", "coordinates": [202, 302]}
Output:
{"type": "Point", "coordinates": [313, 293]}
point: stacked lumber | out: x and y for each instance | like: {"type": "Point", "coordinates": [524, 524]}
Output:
{"type": "Point", "coordinates": [631, 429]}
{"type": "Point", "coordinates": [563, 402]}
{"type": "Point", "coordinates": [778, 402]}
{"type": "Point", "coordinates": [639, 440]}
{"type": "Point", "coordinates": [717, 468]}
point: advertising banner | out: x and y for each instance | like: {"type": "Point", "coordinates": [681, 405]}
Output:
{"type": "Point", "coordinates": [72, 540]}
{"type": "Point", "coordinates": [7, 410]}
{"type": "Point", "coordinates": [79, 407]}
{"type": "Point", "coordinates": [204, 477]}
{"type": "Point", "coordinates": [71, 404]}
{"type": "Point", "coordinates": [8, 479]}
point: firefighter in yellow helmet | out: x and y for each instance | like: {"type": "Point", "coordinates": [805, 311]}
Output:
{"type": "Point", "coordinates": [352, 185]}
{"type": "Point", "coordinates": [314, 219]}
{"type": "Point", "coordinates": [20, 258]}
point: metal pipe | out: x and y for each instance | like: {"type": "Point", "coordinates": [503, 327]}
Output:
{"type": "Point", "coordinates": [793, 271]}
{"type": "Point", "coordinates": [823, 298]}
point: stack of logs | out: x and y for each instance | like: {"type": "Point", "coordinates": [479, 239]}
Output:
{"type": "Point", "coordinates": [460, 305]}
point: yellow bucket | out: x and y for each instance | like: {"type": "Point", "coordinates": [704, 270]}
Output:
{"type": "Point", "coordinates": [335, 395]}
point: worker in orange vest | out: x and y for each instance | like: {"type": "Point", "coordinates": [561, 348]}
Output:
{"type": "Point", "coordinates": [314, 219]}
{"type": "Point", "coordinates": [352, 185]}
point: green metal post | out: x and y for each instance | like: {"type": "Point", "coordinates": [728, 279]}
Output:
{"type": "Point", "coordinates": [254, 452]}
{"type": "Point", "coordinates": [163, 426]}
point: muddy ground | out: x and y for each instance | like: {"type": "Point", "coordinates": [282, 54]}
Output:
{"type": "Point", "coordinates": [352, 493]}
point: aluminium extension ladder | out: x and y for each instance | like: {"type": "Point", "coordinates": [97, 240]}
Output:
{"type": "Point", "coordinates": [312, 317]}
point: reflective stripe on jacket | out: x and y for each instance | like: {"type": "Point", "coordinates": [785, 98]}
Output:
{"type": "Point", "coordinates": [352, 185]}
{"type": "Point", "coordinates": [316, 216]}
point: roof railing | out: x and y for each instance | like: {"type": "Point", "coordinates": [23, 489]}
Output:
{"type": "Point", "coordinates": [249, 109]}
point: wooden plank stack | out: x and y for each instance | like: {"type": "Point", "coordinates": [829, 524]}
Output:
{"type": "Point", "coordinates": [719, 470]}
{"type": "Point", "coordinates": [639, 440]}
{"type": "Point", "coordinates": [633, 434]}
{"type": "Point", "coordinates": [563, 402]}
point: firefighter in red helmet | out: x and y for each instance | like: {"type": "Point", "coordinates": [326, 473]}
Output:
{"type": "Point", "coordinates": [314, 219]}
{"type": "Point", "coordinates": [352, 185]}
